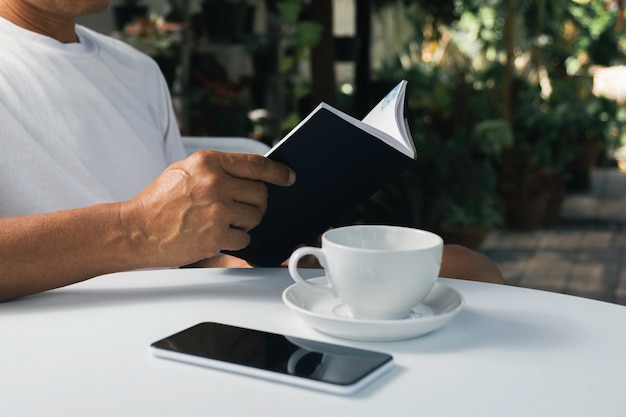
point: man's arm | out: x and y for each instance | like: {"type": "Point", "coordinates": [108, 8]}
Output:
{"type": "Point", "coordinates": [196, 208]}
{"type": "Point", "coordinates": [461, 262]}
{"type": "Point", "coordinates": [52, 250]}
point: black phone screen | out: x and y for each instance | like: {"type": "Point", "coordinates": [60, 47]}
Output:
{"type": "Point", "coordinates": [312, 360]}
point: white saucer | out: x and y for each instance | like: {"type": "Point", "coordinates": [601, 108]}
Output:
{"type": "Point", "coordinates": [328, 315]}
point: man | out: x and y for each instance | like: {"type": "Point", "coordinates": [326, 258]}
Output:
{"type": "Point", "coordinates": [92, 176]}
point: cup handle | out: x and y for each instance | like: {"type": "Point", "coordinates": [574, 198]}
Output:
{"type": "Point", "coordinates": [295, 358]}
{"type": "Point", "coordinates": [293, 267]}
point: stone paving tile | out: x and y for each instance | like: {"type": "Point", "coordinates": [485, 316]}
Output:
{"type": "Point", "coordinates": [596, 239]}
{"type": "Point", "coordinates": [547, 270]}
{"type": "Point", "coordinates": [594, 274]}
{"type": "Point", "coordinates": [580, 206]}
{"type": "Point", "coordinates": [512, 263]}
{"type": "Point", "coordinates": [585, 255]}
{"type": "Point", "coordinates": [510, 240]}
{"type": "Point", "coordinates": [620, 289]}
{"type": "Point", "coordinates": [560, 239]}
{"type": "Point", "coordinates": [619, 240]}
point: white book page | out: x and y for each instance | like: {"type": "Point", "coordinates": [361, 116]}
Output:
{"type": "Point", "coordinates": [388, 116]}
{"type": "Point", "coordinates": [385, 121]}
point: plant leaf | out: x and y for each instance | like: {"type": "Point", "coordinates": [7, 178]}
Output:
{"type": "Point", "coordinates": [308, 33]}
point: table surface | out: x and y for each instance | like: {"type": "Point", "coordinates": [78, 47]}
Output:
{"type": "Point", "coordinates": [83, 350]}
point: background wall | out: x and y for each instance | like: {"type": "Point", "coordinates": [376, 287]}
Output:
{"type": "Point", "coordinates": [101, 22]}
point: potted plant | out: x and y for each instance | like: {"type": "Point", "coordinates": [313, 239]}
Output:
{"type": "Point", "coordinates": [467, 224]}
{"type": "Point", "coordinates": [470, 205]}
{"type": "Point", "coordinates": [531, 171]}
{"type": "Point", "coordinates": [449, 190]}
{"type": "Point", "coordinates": [570, 119]}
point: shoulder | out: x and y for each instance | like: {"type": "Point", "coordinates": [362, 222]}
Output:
{"type": "Point", "coordinates": [110, 46]}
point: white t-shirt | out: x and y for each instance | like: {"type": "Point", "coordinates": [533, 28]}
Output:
{"type": "Point", "coordinates": [80, 123]}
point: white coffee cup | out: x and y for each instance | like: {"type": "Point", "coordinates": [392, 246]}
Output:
{"type": "Point", "coordinates": [379, 272]}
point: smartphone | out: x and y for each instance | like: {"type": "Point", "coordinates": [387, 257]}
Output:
{"type": "Point", "coordinates": [306, 363]}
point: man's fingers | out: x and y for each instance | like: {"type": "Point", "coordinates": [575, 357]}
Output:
{"type": "Point", "coordinates": [236, 239]}
{"type": "Point", "coordinates": [257, 167]}
{"type": "Point", "coordinates": [253, 193]}
{"type": "Point", "coordinates": [245, 217]}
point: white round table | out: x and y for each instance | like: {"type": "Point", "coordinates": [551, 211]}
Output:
{"type": "Point", "coordinates": [83, 350]}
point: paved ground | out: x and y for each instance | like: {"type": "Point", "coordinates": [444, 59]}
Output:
{"type": "Point", "coordinates": [585, 255]}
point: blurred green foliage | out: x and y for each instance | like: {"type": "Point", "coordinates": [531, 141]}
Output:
{"type": "Point", "coordinates": [455, 64]}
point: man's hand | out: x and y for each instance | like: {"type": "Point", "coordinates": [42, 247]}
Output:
{"type": "Point", "coordinates": [202, 205]}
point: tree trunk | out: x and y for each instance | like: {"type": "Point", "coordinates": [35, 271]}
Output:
{"type": "Point", "coordinates": [323, 56]}
{"type": "Point", "coordinates": [363, 60]}
{"type": "Point", "coordinates": [507, 79]}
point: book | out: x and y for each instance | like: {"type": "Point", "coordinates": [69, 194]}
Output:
{"type": "Point", "coordinates": [340, 162]}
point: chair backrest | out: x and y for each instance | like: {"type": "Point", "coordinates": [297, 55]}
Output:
{"type": "Point", "coordinates": [224, 144]}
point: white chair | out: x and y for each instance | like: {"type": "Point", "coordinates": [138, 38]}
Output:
{"type": "Point", "coordinates": [224, 144]}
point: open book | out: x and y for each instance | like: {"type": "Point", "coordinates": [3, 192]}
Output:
{"type": "Point", "coordinates": [339, 162]}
